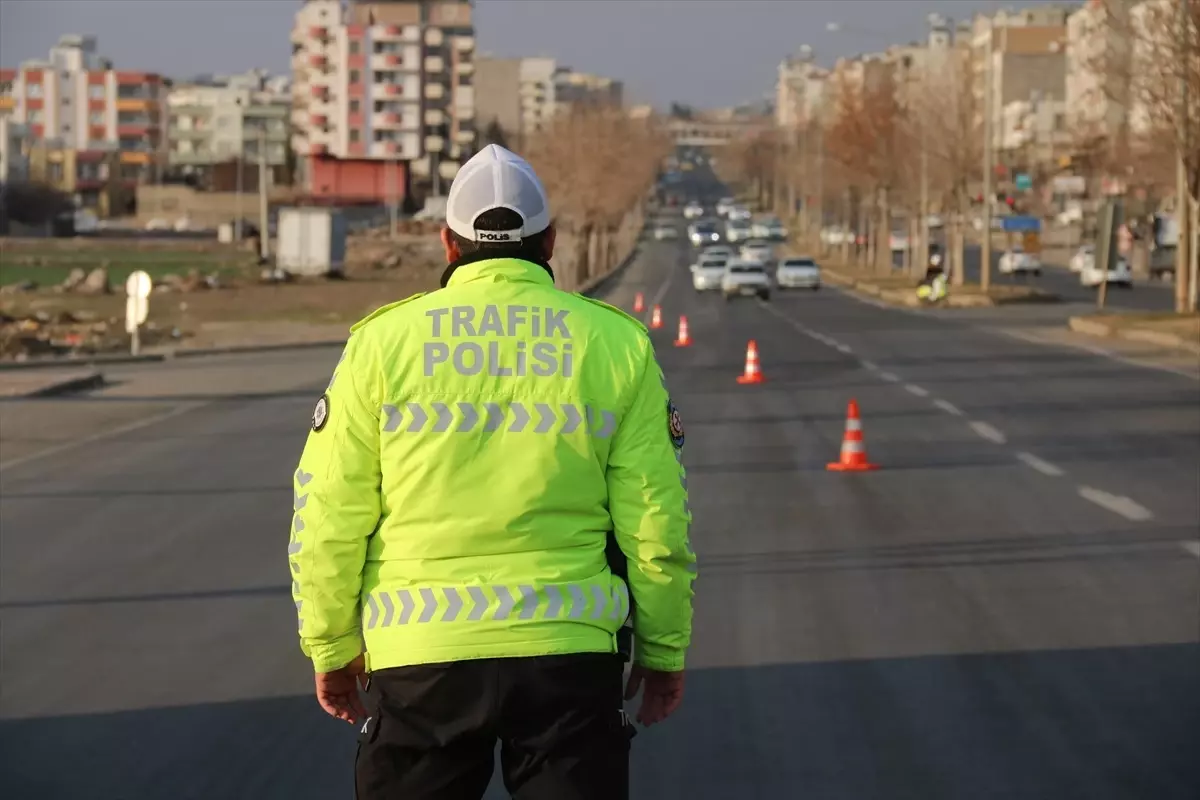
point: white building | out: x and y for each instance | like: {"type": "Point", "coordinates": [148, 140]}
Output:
{"type": "Point", "coordinates": [800, 90]}
{"type": "Point", "coordinates": [537, 89]}
{"type": "Point", "coordinates": [382, 92]}
{"type": "Point", "coordinates": [14, 155]}
{"type": "Point", "coordinates": [1098, 52]}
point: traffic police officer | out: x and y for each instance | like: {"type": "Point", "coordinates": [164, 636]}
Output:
{"type": "Point", "coordinates": [474, 451]}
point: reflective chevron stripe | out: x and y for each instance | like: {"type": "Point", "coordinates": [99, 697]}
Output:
{"type": "Point", "coordinates": [294, 545]}
{"type": "Point", "coordinates": [495, 604]}
{"type": "Point", "coordinates": [463, 417]}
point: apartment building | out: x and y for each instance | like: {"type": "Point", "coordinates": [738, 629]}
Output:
{"type": "Point", "coordinates": [215, 122]}
{"type": "Point", "coordinates": [382, 95]}
{"type": "Point", "coordinates": [523, 95]}
{"type": "Point", "coordinates": [14, 151]}
{"type": "Point", "coordinates": [1097, 78]}
{"type": "Point", "coordinates": [76, 100]}
{"type": "Point", "coordinates": [800, 90]}
{"type": "Point", "coordinates": [1027, 86]}
{"type": "Point", "coordinates": [93, 177]}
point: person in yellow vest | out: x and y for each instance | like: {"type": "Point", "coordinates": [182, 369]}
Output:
{"type": "Point", "coordinates": [477, 450]}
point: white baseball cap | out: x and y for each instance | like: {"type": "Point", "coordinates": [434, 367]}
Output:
{"type": "Point", "coordinates": [496, 178]}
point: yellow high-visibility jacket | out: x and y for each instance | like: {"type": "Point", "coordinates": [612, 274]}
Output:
{"type": "Point", "coordinates": [473, 450]}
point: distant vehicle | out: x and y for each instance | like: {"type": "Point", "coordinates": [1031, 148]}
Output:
{"type": "Point", "coordinates": [664, 231]}
{"type": "Point", "coordinates": [836, 236]}
{"type": "Point", "coordinates": [1018, 261]}
{"type": "Point", "coordinates": [715, 250]}
{"type": "Point", "coordinates": [757, 251]}
{"type": "Point", "coordinates": [708, 273]}
{"type": "Point", "coordinates": [1091, 275]}
{"type": "Point", "coordinates": [1084, 256]}
{"type": "Point", "coordinates": [800, 272]}
{"type": "Point", "coordinates": [739, 214]}
{"type": "Point", "coordinates": [702, 233]}
{"type": "Point", "coordinates": [744, 278]}
{"type": "Point", "coordinates": [898, 242]}
{"type": "Point", "coordinates": [737, 231]}
{"type": "Point", "coordinates": [693, 211]}
{"type": "Point", "coordinates": [725, 205]}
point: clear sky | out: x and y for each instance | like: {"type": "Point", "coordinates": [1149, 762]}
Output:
{"type": "Point", "coordinates": [701, 52]}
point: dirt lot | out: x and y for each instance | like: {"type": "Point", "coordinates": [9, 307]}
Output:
{"type": "Point", "coordinates": [206, 294]}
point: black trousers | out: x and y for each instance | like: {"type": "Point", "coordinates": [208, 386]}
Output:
{"type": "Point", "coordinates": [433, 730]}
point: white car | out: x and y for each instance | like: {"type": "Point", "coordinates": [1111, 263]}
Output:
{"type": "Point", "coordinates": [1084, 256]}
{"type": "Point", "coordinates": [1120, 275]}
{"type": "Point", "coordinates": [739, 214]}
{"type": "Point", "coordinates": [693, 211]}
{"type": "Point", "coordinates": [745, 278]}
{"type": "Point", "coordinates": [702, 233]}
{"type": "Point", "coordinates": [709, 272]}
{"type": "Point", "coordinates": [758, 251]}
{"type": "Point", "coordinates": [662, 232]}
{"type": "Point", "coordinates": [724, 205]}
{"type": "Point", "coordinates": [800, 272]}
{"type": "Point", "coordinates": [723, 250]}
{"type": "Point", "coordinates": [898, 242]}
{"type": "Point", "coordinates": [1017, 260]}
{"type": "Point", "coordinates": [737, 231]}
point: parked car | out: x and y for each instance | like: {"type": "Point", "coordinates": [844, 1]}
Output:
{"type": "Point", "coordinates": [709, 272]}
{"type": "Point", "coordinates": [1018, 261]}
{"type": "Point", "coordinates": [1086, 254]}
{"type": "Point", "coordinates": [1091, 275]}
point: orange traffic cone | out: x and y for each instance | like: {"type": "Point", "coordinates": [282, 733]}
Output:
{"type": "Point", "coordinates": [683, 339]}
{"type": "Point", "coordinates": [639, 303]}
{"type": "Point", "coordinates": [753, 372]}
{"type": "Point", "coordinates": [656, 318]}
{"type": "Point", "coordinates": [854, 449]}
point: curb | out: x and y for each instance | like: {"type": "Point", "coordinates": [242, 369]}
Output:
{"type": "Point", "coordinates": [81, 383]}
{"type": "Point", "coordinates": [1090, 327]}
{"type": "Point", "coordinates": [1169, 341]}
{"type": "Point", "coordinates": [98, 360]}
{"type": "Point", "coordinates": [254, 348]}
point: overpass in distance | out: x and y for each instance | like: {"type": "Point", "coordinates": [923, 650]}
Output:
{"type": "Point", "coordinates": [710, 133]}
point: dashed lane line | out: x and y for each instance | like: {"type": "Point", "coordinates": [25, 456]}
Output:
{"type": "Point", "coordinates": [919, 391]}
{"type": "Point", "coordinates": [1117, 504]}
{"type": "Point", "coordinates": [844, 348]}
{"type": "Point", "coordinates": [869, 365]}
{"type": "Point", "coordinates": [948, 407]}
{"type": "Point", "coordinates": [890, 377]}
{"type": "Point", "coordinates": [1041, 465]}
{"type": "Point", "coordinates": [988, 432]}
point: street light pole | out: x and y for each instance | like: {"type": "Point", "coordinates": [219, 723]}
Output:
{"type": "Point", "coordinates": [1185, 278]}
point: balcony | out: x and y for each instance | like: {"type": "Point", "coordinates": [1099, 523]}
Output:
{"type": "Point", "coordinates": [317, 149]}
{"type": "Point", "coordinates": [387, 90]}
{"type": "Point", "coordinates": [435, 116]}
{"type": "Point", "coordinates": [435, 65]}
{"type": "Point", "coordinates": [321, 93]}
{"type": "Point", "coordinates": [434, 91]}
{"type": "Point", "coordinates": [396, 33]}
{"type": "Point", "coordinates": [434, 144]}
{"type": "Point", "coordinates": [316, 60]}
{"type": "Point", "coordinates": [464, 68]}
{"type": "Point", "coordinates": [390, 62]}
{"type": "Point", "coordinates": [434, 37]}
{"type": "Point", "coordinates": [387, 119]}
{"type": "Point", "coordinates": [464, 136]}
{"type": "Point", "coordinates": [319, 120]}
{"type": "Point", "coordinates": [464, 44]}
{"type": "Point", "coordinates": [318, 31]}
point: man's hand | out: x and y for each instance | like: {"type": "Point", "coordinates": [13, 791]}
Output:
{"type": "Point", "coordinates": [661, 695]}
{"type": "Point", "coordinates": [337, 691]}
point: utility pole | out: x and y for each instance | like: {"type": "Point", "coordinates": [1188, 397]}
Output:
{"type": "Point", "coordinates": [392, 198]}
{"type": "Point", "coordinates": [820, 179]}
{"type": "Point", "coordinates": [923, 226]}
{"type": "Point", "coordinates": [264, 211]}
{"type": "Point", "coordinates": [985, 250]}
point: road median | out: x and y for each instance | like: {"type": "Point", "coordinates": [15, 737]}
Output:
{"type": "Point", "coordinates": [1166, 330]}
{"type": "Point", "coordinates": [902, 290]}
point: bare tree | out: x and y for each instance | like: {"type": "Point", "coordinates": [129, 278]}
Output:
{"type": "Point", "coordinates": [597, 165]}
{"type": "Point", "coordinates": [869, 138]}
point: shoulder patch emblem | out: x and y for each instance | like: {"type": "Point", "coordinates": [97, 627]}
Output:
{"type": "Point", "coordinates": [321, 413]}
{"type": "Point", "coordinates": [674, 425]}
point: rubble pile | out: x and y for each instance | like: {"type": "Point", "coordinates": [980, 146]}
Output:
{"type": "Point", "coordinates": [67, 333]}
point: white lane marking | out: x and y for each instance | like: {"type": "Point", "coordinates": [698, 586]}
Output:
{"type": "Point", "coordinates": [988, 432]}
{"type": "Point", "coordinates": [919, 391]}
{"type": "Point", "coordinates": [890, 377]}
{"type": "Point", "coordinates": [658, 296]}
{"type": "Point", "coordinates": [844, 348]}
{"type": "Point", "coordinates": [1191, 547]}
{"type": "Point", "coordinates": [871, 365]}
{"type": "Point", "coordinates": [1042, 466]}
{"type": "Point", "coordinates": [102, 435]}
{"type": "Point", "coordinates": [1124, 506]}
{"type": "Point", "coordinates": [948, 407]}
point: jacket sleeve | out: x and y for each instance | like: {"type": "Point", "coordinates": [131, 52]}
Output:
{"type": "Point", "coordinates": [647, 491]}
{"type": "Point", "coordinates": [336, 508]}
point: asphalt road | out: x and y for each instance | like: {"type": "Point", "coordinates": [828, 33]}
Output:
{"type": "Point", "coordinates": [1009, 608]}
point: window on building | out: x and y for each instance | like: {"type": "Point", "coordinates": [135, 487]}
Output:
{"type": "Point", "coordinates": [54, 171]}
{"type": "Point", "coordinates": [354, 135]}
{"type": "Point", "coordinates": [355, 106]}
{"type": "Point", "coordinates": [33, 90]}
{"type": "Point", "coordinates": [36, 116]}
{"type": "Point", "coordinates": [378, 106]}
{"type": "Point", "coordinates": [96, 118]}
{"type": "Point", "coordinates": [96, 91]}
{"type": "Point", "coordinates": [354, 47]}
{"type": "Point", "coordinates": [355, 77]}
{"type": "Point", "coordinates": [6, 88]}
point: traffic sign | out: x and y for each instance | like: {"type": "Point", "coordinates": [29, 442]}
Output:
{"type": "Point", "coordinates": [1031, 241]}
{"type": "Point", "coordinates": [1014, 223]}
{"type": "Point", "coordinates": [138, 284]}
{"type": "Point", "coordinates": [1024, 182]}
{"type": "Point", "coordinates": [136, 311]}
